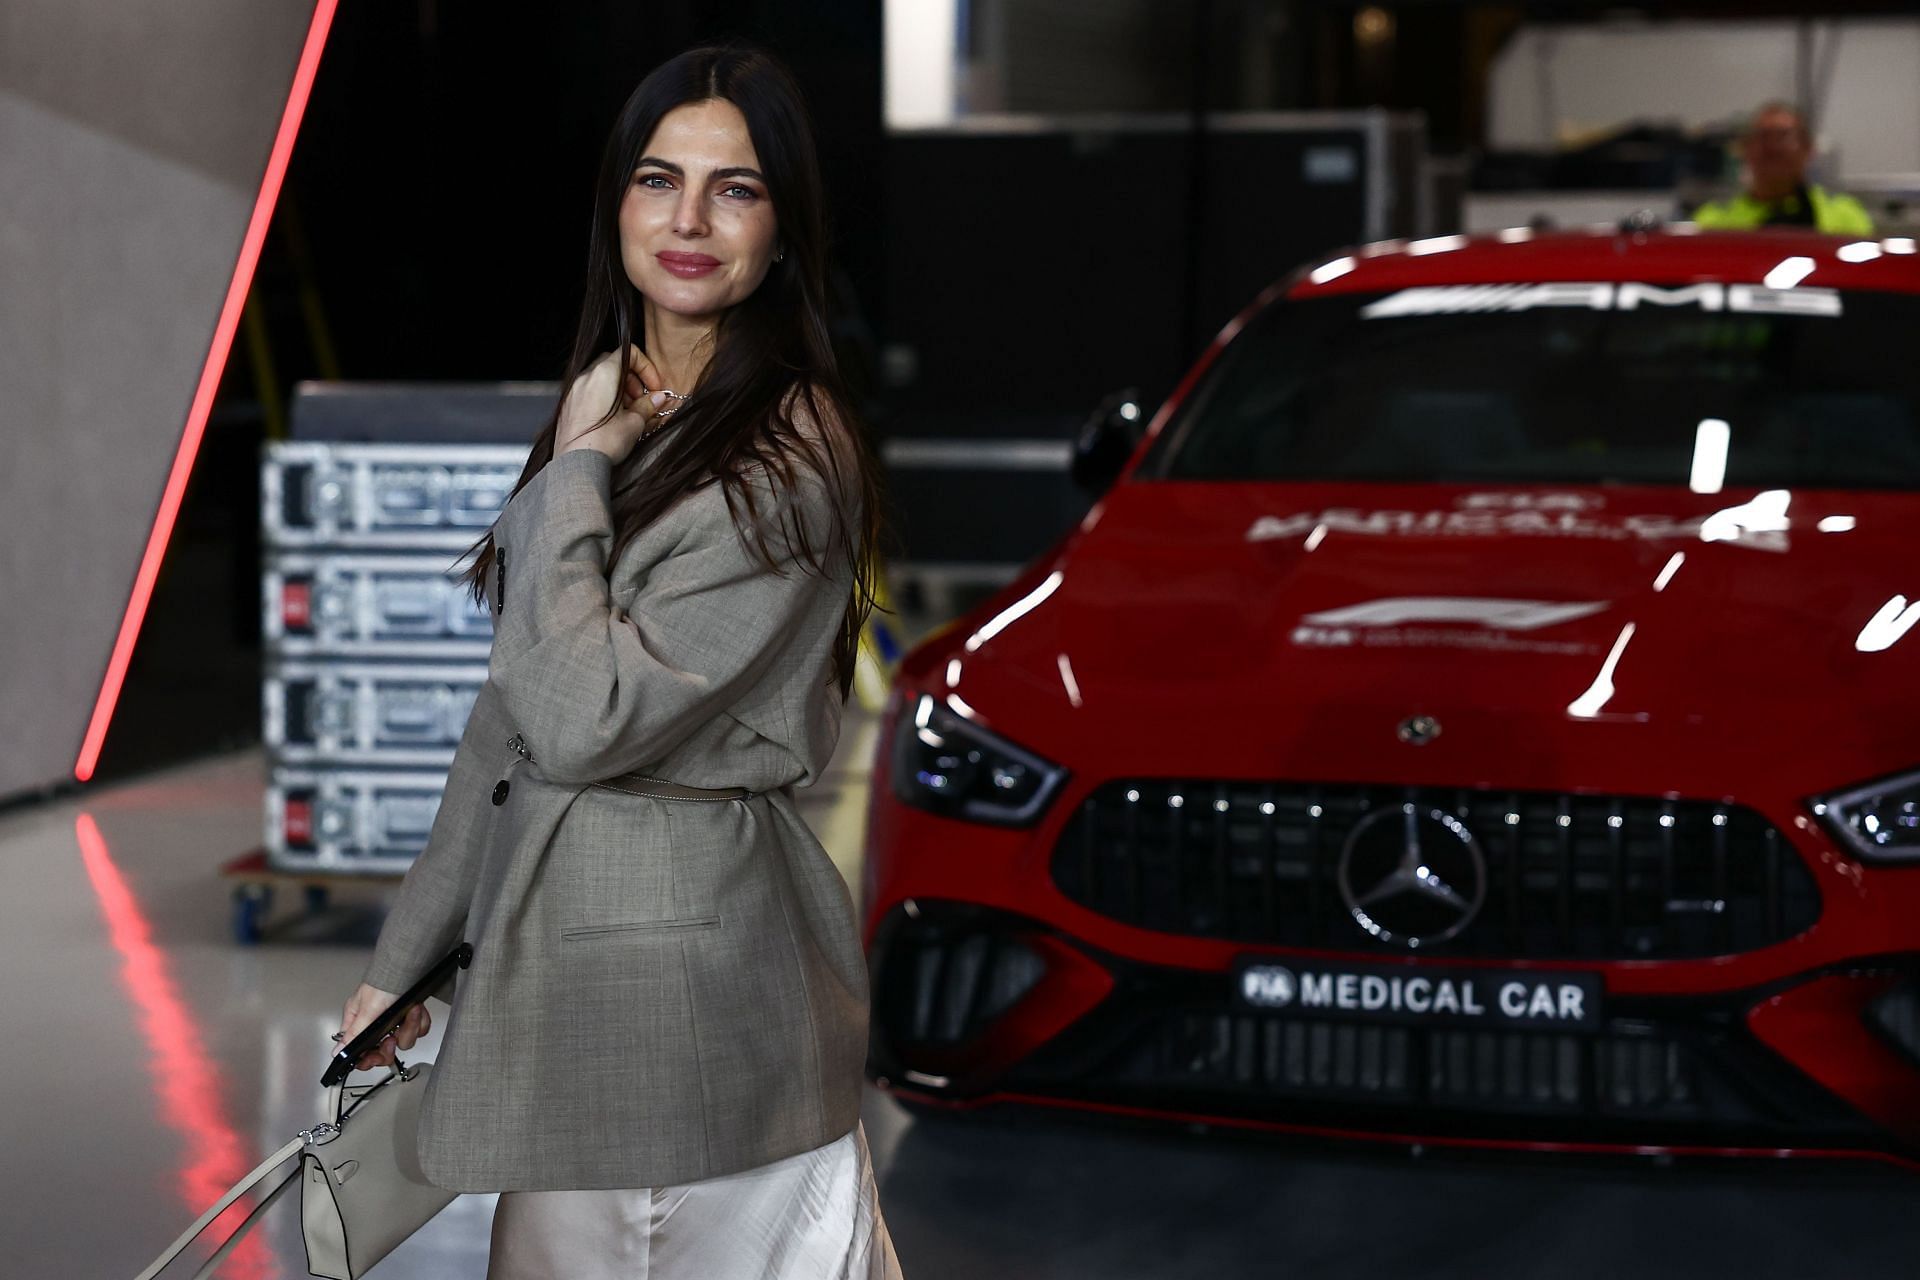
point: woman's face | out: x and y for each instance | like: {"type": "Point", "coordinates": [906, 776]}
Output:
{"type": "Point", "coordinates": [697, 231]}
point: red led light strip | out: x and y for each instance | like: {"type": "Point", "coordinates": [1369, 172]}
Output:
{"type": "Point", "coordinates": [196, 427]}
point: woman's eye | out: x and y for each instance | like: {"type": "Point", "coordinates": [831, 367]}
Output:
{"type": "Point", "coordinates": [741, 193]}
{"type": "Point", "coordinates": [649, 179]}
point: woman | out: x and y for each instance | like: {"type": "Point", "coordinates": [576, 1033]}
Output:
{"type": "Point", "coordinates": [656, 1054]}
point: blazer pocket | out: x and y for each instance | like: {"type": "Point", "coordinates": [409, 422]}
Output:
{"type": "Point", "coordinates": [588, 933]}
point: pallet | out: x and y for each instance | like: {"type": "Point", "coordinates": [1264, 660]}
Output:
{"type": "Point", "coordinates": [255, 880]}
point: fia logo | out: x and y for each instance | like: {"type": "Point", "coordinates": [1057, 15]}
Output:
{"type": "Point", "coordinates": [1268, 986]}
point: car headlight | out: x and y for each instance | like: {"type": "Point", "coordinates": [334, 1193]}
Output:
{"type": "Point", "coordinates": [946, 765]}
{"type": "Point", "coordinates": [1880, 821]}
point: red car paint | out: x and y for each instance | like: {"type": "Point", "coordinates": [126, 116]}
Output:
{"type": "Point", "coordinates": [1161, 639]}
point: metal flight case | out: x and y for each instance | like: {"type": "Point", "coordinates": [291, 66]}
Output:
{"type": "Point", "coordinates": [386, 497]}
{"type": "Point", "coordinates": [374, 606]}
{"type": "Point", "coordinates": [375, 649]}
{"type": "Point", "coordinates": [368, 714]}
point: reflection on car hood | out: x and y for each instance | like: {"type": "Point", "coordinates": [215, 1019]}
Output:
{"type": "Point", "coordinates": [1181, 603]}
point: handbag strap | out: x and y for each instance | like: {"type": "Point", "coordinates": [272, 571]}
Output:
{"type": "Point", "coordinates": [239, 1189]}
{"type": "Point", "coordinates": [233, 1241]}
{"type": "Point", "coordinates": [336, 1097]}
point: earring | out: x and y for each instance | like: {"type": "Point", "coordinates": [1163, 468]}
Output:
{"type": "Point", "coordinates": [779, 255]}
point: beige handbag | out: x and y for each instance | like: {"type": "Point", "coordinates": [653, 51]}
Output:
{"type": "Point", "coordinates": [361, 1188]}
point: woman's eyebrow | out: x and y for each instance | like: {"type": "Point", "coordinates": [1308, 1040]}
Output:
{"type": "Point", "coordinates": [737, 171]}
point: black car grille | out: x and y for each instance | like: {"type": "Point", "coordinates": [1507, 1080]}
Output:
{"type": "Point", "coordinates": [1567, 877]}
{"type": "Point", "coordinates": [941, 989]}
{"type": "Point", "coordinates": [1616, 1072]}
{"type": "Point", "coordinates": [1681, 1074]}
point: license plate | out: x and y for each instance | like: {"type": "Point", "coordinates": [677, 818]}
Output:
{"type": "Point", "coordinates": [1423, 994]}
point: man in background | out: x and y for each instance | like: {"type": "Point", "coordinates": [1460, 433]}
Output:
{"type": "Point", "coordinates": [1776, 147]}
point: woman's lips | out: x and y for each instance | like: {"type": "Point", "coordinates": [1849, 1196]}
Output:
{"type": "Point", "coordinates": [688, 266]}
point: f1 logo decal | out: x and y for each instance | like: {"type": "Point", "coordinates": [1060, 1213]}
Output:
{"type": "Point", "coordinates": [1498, 614]}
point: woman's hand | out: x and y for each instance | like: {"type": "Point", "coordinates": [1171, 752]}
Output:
{"type": "Point", "coordinates": [635, 382]}
{"type": "Point", "coordinates": [368, 1003]}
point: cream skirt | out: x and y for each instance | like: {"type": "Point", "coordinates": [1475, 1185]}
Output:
{"type": "Point", "coordinates": [814, 1216]}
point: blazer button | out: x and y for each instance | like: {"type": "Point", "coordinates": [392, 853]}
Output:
{"type": "Point", "coordinates": [500, 791]}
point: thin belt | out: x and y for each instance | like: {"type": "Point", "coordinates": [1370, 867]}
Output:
{"type": "Point", "coordinates": [639, 784]}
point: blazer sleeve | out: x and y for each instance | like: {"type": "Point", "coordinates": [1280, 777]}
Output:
{"type": "Point", "coordinates": [429, 914]}
{"type": "Point", "coordinates": [598, 691]}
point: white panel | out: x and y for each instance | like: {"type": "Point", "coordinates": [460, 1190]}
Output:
{"type": "Point", "coordinates": [919, 73]}
{"type": "Point", "coordinates": [133, 140]}
{"type": "Point", "coordinates": [1873, 112]}
{"type": "Point", "coordinates": [108, 311]}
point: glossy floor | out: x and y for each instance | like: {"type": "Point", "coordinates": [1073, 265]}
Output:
{"type": "Point", "coordinates": [149, 1061]}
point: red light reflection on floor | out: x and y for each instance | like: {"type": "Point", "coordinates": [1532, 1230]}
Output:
{"type": "Point", "coordinates": [186, 1080]}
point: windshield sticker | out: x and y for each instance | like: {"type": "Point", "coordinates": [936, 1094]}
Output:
{"type": "Point", "coordinates": [1745, 299]}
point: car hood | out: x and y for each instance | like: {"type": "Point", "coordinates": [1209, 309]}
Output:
{"type": "Point", "coordinates": [1740, 620]}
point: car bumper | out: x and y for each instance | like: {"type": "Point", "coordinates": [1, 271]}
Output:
{"type": "Point", "coordinates": [974, 1006]}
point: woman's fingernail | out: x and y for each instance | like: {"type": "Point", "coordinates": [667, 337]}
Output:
{"type": "Point", "coordinates": [659, 399]}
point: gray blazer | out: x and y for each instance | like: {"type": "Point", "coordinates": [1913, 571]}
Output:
{"type": "Point", "coordinates": [661, 990]}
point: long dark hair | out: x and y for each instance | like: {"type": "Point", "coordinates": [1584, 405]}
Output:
{"type": "Point", "coordinates": [772, 351]}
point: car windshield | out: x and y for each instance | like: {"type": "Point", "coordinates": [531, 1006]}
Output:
{"type": "Point", "coordinates": [1575, 383]}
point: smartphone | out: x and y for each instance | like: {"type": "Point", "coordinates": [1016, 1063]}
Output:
{"type": "Point", "coordinates": [341, 1064]}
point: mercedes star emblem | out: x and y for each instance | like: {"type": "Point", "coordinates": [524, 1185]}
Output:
{"type": "Point", "coordinates": [1412, 875]}
{"type": "Point", "coordinates": [1418, 731]}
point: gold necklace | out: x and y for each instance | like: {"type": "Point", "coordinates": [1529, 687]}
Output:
{"type": "Point", "coordinates": [660, 416]}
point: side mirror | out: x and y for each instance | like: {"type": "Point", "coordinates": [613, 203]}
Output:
{"type": "Point", "coordinates": [1107, 440]}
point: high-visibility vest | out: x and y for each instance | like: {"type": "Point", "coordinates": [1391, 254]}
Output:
{"type": "Point", "coordinates": [1832, 212]}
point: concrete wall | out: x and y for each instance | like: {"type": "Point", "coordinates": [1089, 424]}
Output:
{"type": "Point", "coordinates": [1554, 78]}
{"type": "Point", "coordinates": [133, 139]}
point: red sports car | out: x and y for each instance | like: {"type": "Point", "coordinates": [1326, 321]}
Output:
{"type": "Point", "coordinates": [1485, 709]}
